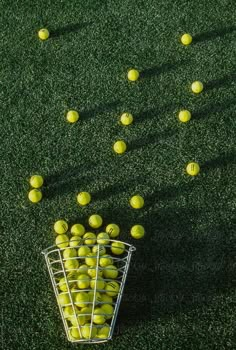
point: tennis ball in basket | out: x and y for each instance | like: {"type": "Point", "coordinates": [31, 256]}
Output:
{"type": "Point", "coordinates": [83, 281]}
{"type": "Point", "coordinates": [108, 310]}
{"type": "Point", "coordinates": [83, 251]}
{"type": "Point", "coordinates": [72, 116]}
{"type": "Point", "coordinates": [83, 198]}
{"type": "Point", "coordinates": [43, 34]}
{"type": "Point", "coordinates": [126, 119]}
{"type": "Point", "coordinates": [98, 316]}
{"type": "Point", "coordinates": [110, 271]}
{"type": "Point", "coordinates": [106, 298]}
{"type": "Point", "coordinates": [105, 260]}
{"type": "Point", "coordinates": [69, 253]}
{"type": "Point", "coordinates": [133, 74]}
{"type": "Point", "coordinates": [95, 221]}
{"type": "Point", "coordinates": [83, 269]}
{"type": "Point", "coordinates": [104, 331]}
{"type": "Point", "coordinates": [68, 311]}
{"type": "Point", "coordinates": [71, 264]}
{"type": "Point", "coordinates": [89, 238]}
{"type": "Point", "coordinates": [95, 295]}
{"type": "Point", "coordinates": [193, 169]}
{"type": "Point", "coordinates": [79, 318]}
{"type": "Point", "coordinates": [87, 312]}
{"type": "Point", "coordinates": [63, 299]}
{"type": "Point", "coordinates": [117, 248]}
{"type": "Point", "coordinates": [197, 87]}
{"type": "Point", "coordinates": [186, 39]}
{"type": "Point", "coordinates": [62, 241]}
{"type": "Point", "coordinates": [119, 147]}
{"type": "Point", "coordinates": [82, 299]}
{"type": "Point", "coordinates": [184, 116]}
{"type": "Point", "coordinates": [91, 259]}
{"type": "Point", "coordinates": [77, 230]}
{"type": "Point", "coordinates": [92, 271]}
{"type": "Point", "coordinates": [100, 248]}
{"type": "Point", "coordinates": [63, 285]}
{"type": "Point", "coordinates": [99, 283]}
{"type": "Point", "coordinates": [103, 238]}
{"type": "Point", "coordinates": [137, 231]}
{"type": "Point", "coordinates": [36, 181]}
{"type": "Point", "coordinates": [35, 195]}
{"type": "Point", "coordinates": [60, 227]}
{"type": "Point", "coordinates": [88, 332]}
{"type": "Point", "coordinates": [137, 202]}
{"type": "Point", "coordinates": [74, 333]}
{"type": "Point", "coordinates": [113, 230]}
{"type": "Point", "coordinates": [112, 288]}
{"type": "Point", "coordinates": [75, 241]}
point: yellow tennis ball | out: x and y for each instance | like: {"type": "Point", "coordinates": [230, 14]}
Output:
{"type": "Point", "coordinates": [75, 334]}
{"type": "Point", "coordinates": [36, 181]}
{"type": "Point", "coordinates": [77, 230]}
{"type": "Point", "coordinates": [112, 288]}
{"type": "Point", "coordinates": [35, 196]}
{"type": "Point", "coordinates": [83, 281]}
{"type": "Point", "coordinates": [126, 119]}
{"type": "Point", "coordinates": [110, 271]}
{"type": "Point", "coordinates": [193, 168]}
{"type": "Point", "coordinates": [43, 34]}
{"type": "Point", "coordinates": [63, 299]}
{"type": "Point", "coordinates": [82, 299]}
{"type": "Point", "coordinates": [88, 331]}
{"type": "Point", "coordinates": [108, 310]}
{"type": "Point", "coordinates": [197, 87]}
{"type": "Point", "coordinates": [83, 251]}
{"type": "Point", "coordinates": [94, 296]}
{"type": "Point", "coordinates": [78, 319]}
{"type": "Point", "coordinates": [119, 147]}
{"type": "Point", "coordinates": [60, 227]}
{"type": "Point", "coordinates": [75, 241]}
{"type": "Point", "coordinates": [97, 283]}
{"type": "Point", "coordinates": [117, 248]}
{"type": "Point", "coordinates": [184, 116]}
{"type": "Point", "coordinates": [72, 116]}
{"type": "Point", "coordinates": [106, 298]}
{"type": "Point", "coordinates": [103, 238]}
{"type": "Point", "coordinates": [104, 331]}
{"type": "Point", "coordinates": [82, 270]}
{"type": "Point", "coordinates": [92, 271]}
{"type": "Point", "coordinates": [186, 39]}
{"type": "Point", "coordinates": [100, 248]}
{"type": "Point", "coordinates": [63, 285]}
{"type": "Point", "coordinates": [89, 238]}
{"type": "Point", "coordinates": [83, 198]}
{"type": "Point", "coordinates": [95, 221]}
{"type": "Point", "coordinates": [87, 312]}
{"type": "Point", "coordinates": [98, 316]}
{"type": "Point", "coordinates": [62, 241]}
{"type": "Point", "coordinates": [137, 202]}
{"type": "Point", "coordinates": [113, 230]}
{"type": "Point", "coordinates": [105, 260]}
{"type": "Point", "coordinates": [71, 264]}
{"type": "Point", "coordinates": [91, 259]}
{"type": "Point", "coordinates": [137, 231]}
{"type": "Point", "coordinates": [68, 311]}
{"type": "Point", "coordinates": [133, 74]}
{"type": "Point", "coordinates": [69, 253]}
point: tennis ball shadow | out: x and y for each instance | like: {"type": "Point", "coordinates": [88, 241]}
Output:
{"type": "Point", "coordinates": [101, 109]}
{"type": "Point", "coordinates": [211, 108]}
{"type": "Point", "coordinates": [162, 68]}
{"type": "Point", "coordinates": [156, 112]}
{"type": "Point", "coordinates": [68, 29]}
{"type": "Point", "coordinates": [222, 161]}
{"type": "Point", "coordinates": [225, 81]}
{"type": "Point", "coordinates": [213, 34]}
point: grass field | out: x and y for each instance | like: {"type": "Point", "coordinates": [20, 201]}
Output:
{"type": "Point", "coordinates": [180, 290]}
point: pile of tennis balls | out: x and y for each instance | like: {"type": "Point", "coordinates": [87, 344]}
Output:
{"type": "Point", "coordinates": [94, 268]}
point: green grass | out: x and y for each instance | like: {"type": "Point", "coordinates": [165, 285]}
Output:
{"type": "Point", "coordinates": [180, 290]}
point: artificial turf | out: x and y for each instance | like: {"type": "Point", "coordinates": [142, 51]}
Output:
{"type": "Point", "coordinates": [180, 289]}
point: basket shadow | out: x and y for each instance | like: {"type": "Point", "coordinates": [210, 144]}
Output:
{"type": "Point", "coordinates": [213, 108]}
{"type": "Point", "coordinates": [68, 29]}
{"type": "Point", "coordinates": [222, 161]}
{"type": "Point", "coordinates": [214, 34]}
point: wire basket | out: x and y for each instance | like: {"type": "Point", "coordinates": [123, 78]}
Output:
{"type": "Point", "coordinates": [89, 300]}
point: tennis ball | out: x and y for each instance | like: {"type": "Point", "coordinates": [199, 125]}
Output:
{"type": "Point", "coordinates": [77, 230]}
{"type": "Point", "coordinates": [88, 331]}
{"type": "Point", "coordinates": [60, 226]}
{"type": "Point", "coordinates": [43, 34]}
{"type": "Point", "coordinates": [104, 331]}
{"type": "Point", "coordinates": [89, 238]}
{"type": "Point", "coordinates": [113, 230]}
{"type": "Point", "coordinates": [82, 299]}
{"type": "Point", "coordinates": [97, 283]}
{"type": "Point", "coordinates": [106, 298]}
{"type": "Point", "coordinates": [71, 264]}
{"type": "Point", "coordinates": [95, 221]}
{"type": "Point", "coordinates": [133, 74]}
{"type": "Point", "coordinates": [63, 286]}
{"type": "Point", "coordinates": [62, 241]}
{"type": "Point", "coordinates": [83, 198]}
{"type": "Point", "coordinates": [98, 316]}
{"type": "Point", "coordinates": [35, 196]}
{"type": "Point", "coordinates": [103, 238]}
{"type": "Point", "coordinates": [108, 310]}
{"type": "Point", "coordinates": [36, 181]}
{"type": "Point", "coordinates": [119, 147]}
{"type": "Point", "coordinates": [83, 251]}
{"type": "Point", "coordinates": [186, 39]}
{"type": "Point", "coordinates": [197, 87]}
{"type": "Point", "coordinates": [94, 296]}
{"type": "Point", "coordinates": [193, 168]}
{"type": "Point", "coordinates": [110, 271]}
{"type": "Point", "coordinates": [63, 299]}
{"type": "Point", "coordinates": [112, 288]}
{"type": "Point", "coordinates": [137, 231]}
{"type": "Point", "coordinates": [75, 241]}
{"type": "Point", "coordinates": [92, 271]}
{"type": "Point", "coordinates": [100, 248]}
{"type": "Point", "coordinates": [69, 253]}
{"type": "Point", "coordinates": [87, 312]}
{"type": "Point", "coordinates": [83, 281]}
{"type": "Point", "coordinates": [117, 248]}
{"type": "Point", "coordinates": [184, 116]}
{"type": "Point", "coordinates": [68, 311]}
{"type": "Point", "coordinates": [91, 259]}
{"type": "Point", "coordinates": [72, 116]}
{"type": "Point", "coordinates": [83, 269]}
{"type": "Point", "coordinates": [78, 319]}
{"type": "Point", "coordinates": [74, 333]}
{"type": "Point", "coordinates": [126, 119]}
{"type": "Point", "coordinates": [105, 260]}
{"type": "Point", "coordinates": [137, 202]}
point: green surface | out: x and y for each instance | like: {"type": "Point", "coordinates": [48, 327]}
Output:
{"type": "Point", "coordinates": [180, 291]}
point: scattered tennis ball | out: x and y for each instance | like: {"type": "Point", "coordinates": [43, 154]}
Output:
{"type": "Point", "coordinates": [197, 87]}
{"type": "Point", "coordinates": [75, 333]}
{"type": "Point", "coordinates": [133, 75]}
{"type": "Point", "coordinates": [106, 299]}
{"type": "Point", "coordinates": [84, 251]}
{"type": "Point", "coordinates": [184, 116]}
{"type": "Point", "coordinates": [75, 241]}
{"type": "Point", "coordinates": [69, 253]}
{"type": "Point", "coordinates": [119, 147]}
{"type": "Point", "coordinates": [88, 331]}
{"type": "Point", "coordinates": [99, 283]}
{"type": "Point", "coordinates": [83, 281]}
{"type": "Point", "coordinates": [113, 230]}
{"type": "Point", "coordinates": [63, 299]}
{"type": "Point", "coordinates": [43, 34]}
{"type": "Point", "coordinates": [186, 39]}
{"type": "Point", "coordinates": [82, 299]}
{"type": "Point", "coordinates": [92, 271]}
{"type": "Point", "coordinates": [137, 231]}
{"type": "Point", "coordinates": [83, 198]}
{"type": "Point", "coordinates": [105, 260]}
{"type": "Point", "coordinates": [83, 269]}
{"type": "Point", "coordinates": [77, 230]}
{"type": "Point", "coordinates": [193, 168]}
{"type": "Point", "coordinates": [89, 238]}
{"type": "Point", "coordinates": [126, 119]}
{"type": "Point", "coordinates": [108, 310]}
{"type": "Point", "coordinates": [95, 221]}
{"type": "Point", "coordinates": [60, 227]}
{"type": "Point", "coordinates": [36, 181]}
{"type": "Point", "coordinates": [110, 271]}
{"type": "Point", "coordinates": [35, 195]}
{"type": "Point", "coordinates": [103, 238]}
{"type": "Point", "coordinates": [112, 288]}
{"type": "Point", "coordinates": [62, 241]}
{"type": "Point", "coordinates": [98, 316]}
{"type": "Point", "coordinates": [100, 248]}
{"type": "Point", "coordinates": [117, 248]}
{"type": "Point", "coordinates": [71, 264]}
{"type": "Point", "coordinates": [137, 202]}
{"type": "Point", "coordinates": [91, 259]}
{"type": "Point", "coordinates": [72, 116]}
